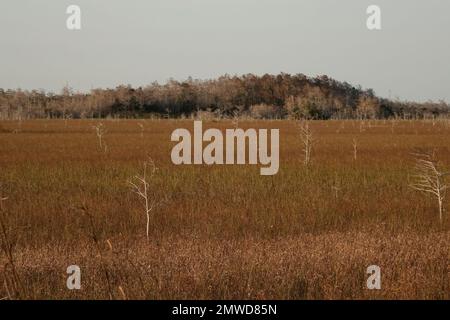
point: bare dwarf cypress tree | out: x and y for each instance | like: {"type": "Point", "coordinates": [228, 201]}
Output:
{"type": "Point", "coordinates": [308, 141]}
{"type": "Point", "coordinates": [141, 186]}
{"type": "Point", "coordinates": [100, 131]}
{"type": "Point", "coordinates": [430, 179]}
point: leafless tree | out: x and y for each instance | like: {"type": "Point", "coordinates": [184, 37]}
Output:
{"type": "Point", "coordinates": [355, 149]}
{"type": "Point", "coordinates": [308, 141]}
{"type": "Point", "coordinates": [140, 185]}
{"type": "Point", "coordinates": [362, 126]}
{"type": "Point", "coordinates": [141, 126]}
{"type": "Point", "coordinates": [430, 179]}
{"type": "Point", "coordinates": [336, 187]}
{"type": "Point", "coordinates": [100, 130]}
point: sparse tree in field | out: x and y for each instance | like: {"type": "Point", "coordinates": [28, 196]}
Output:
{"type": "Point", "coordinates": [141, 126]}
{"type": "Point", "coordinates": [140, 185]}
{"type": "Point", "coordinates": [430, 179]}
{"type": "Point", "coordinates": [433, 121]}
{"type": "Point", "coordinates": [100, 131]}
{"type": "Point", "coordinates": [362, 124]}
{"type": "Point", "coordinates": [308, 141]}
{"type": "Point", "coordinates": [336, 187]}
{"type": "Point", "coordinates": [341, 127]}
{"type": "Point", "coordinates": [355, 149]}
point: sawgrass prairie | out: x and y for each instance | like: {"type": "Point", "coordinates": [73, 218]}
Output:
{"type": "Point", "coordinates": [222, 231]}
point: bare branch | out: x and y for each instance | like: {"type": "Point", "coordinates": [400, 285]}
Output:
{"type": "Point", "coordinates": [308, 141]}
{"type": "Point", "coordinates": [429, 178]}
{"type": "Point", "coordinates": [141, 187]}
{"type": "Point", "coordinates": [100, 131]}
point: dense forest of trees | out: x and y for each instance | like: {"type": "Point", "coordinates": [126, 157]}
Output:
{"type": "Point", "coordinates": [268, 96]}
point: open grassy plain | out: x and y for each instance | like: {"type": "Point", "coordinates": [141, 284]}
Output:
{"type": "Point", "coordinates": [222, 232]}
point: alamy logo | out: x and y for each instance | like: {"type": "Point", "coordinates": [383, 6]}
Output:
{"type": "Point", "coordinates": [74, 279]}
{"type": "Point", "coordinates": [235, 145]}
{"type": "Point", "coordinates": [374, 280]}
{"type": "Point", "coordinates": [374, 19]}
{"type": "Point", "coordinates": [73, 22]}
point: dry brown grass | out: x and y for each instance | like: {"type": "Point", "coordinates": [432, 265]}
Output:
{"type": "Point", "coordinates": [227, 232]}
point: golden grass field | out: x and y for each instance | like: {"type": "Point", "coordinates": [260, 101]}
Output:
{"type": "Point", "coordinates": [224, 232]}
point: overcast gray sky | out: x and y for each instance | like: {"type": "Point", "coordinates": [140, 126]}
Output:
{"type": "Point", "coordinates": [140, 41]}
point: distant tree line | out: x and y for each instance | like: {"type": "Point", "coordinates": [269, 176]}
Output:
{"type": "Point", "coordinates": [268, 96]}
